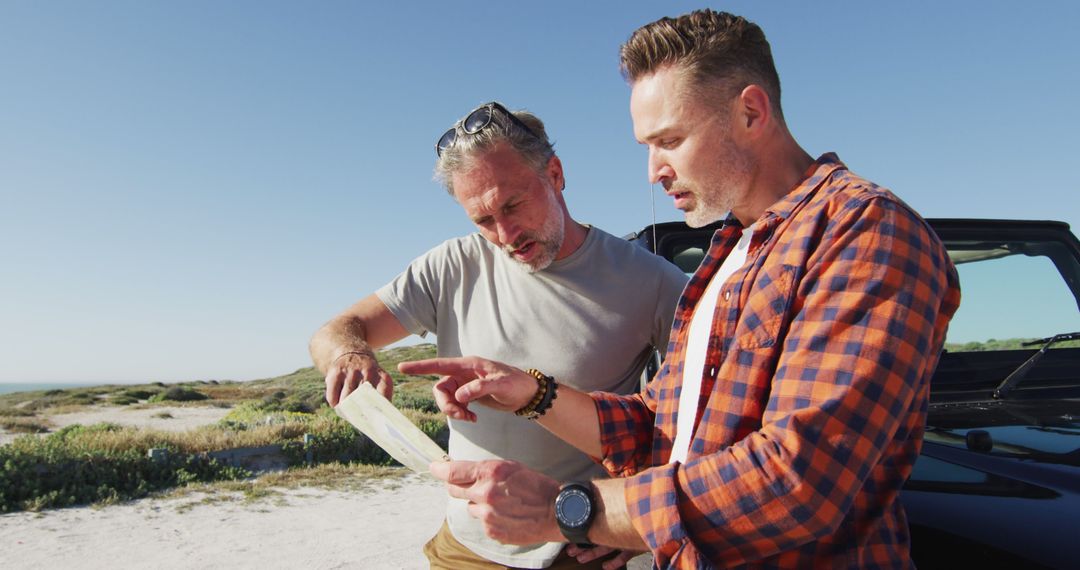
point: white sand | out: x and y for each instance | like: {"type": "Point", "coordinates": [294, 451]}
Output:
{"type": "Point", "coordinates": [383, 526]}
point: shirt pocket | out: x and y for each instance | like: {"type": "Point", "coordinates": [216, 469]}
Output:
{"type": "Point", "coordinates": [766, 307]}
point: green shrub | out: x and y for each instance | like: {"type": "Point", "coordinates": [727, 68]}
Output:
{"type": "Point", "coordinates": [422, 401]}
{"type": "Point", "coordinates": [179, 394]}
{"type": "Point", "coordinates": [298, 406]}
{"type": "Point", "coordinates": [336, 440]}
{"type": "Point", "coordinates": [139, 393]}
{"type": "Point", "coordinates": [61, 470]}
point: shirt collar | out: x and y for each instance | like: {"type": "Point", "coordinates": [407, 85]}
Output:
{"type": "Point", "coordinates": [820, 170]}
{"type": "Point", "coordinates": [815, 174]}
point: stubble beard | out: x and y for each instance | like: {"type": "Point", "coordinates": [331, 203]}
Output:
{"type": "Point", "coordinates": [730, 179]}
{"type": "Point", "coordinates": [702, 211]}
{"type": "Point", "coordinates": [549, 240]}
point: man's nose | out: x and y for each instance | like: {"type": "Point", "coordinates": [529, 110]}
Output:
{"type": "Point", "coordinates": [507, 231]}
{"type": "Point", "coordinates": [659, 169]}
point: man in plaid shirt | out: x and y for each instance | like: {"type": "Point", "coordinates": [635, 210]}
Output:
{"type": "Point", "coordinates": [791, 407]}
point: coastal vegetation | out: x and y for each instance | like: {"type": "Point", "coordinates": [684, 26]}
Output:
{"type": "Point", "coordinates": [1005, 344]}
{"type": "Point", "coordinates": [105, 462]}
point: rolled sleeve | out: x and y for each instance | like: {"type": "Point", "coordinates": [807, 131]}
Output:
{"type": "Point", "coordinates": [626, 425]}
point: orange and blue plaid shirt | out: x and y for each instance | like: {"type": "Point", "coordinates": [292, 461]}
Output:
{"type": "Point", "coordinates": [814, 391]}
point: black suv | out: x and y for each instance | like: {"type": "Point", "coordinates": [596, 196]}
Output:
{"type": "Point", "coordinates": [998, 481]}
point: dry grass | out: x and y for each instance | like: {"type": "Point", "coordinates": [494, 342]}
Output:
{"type": "Point", "coordinates": [14, 412]}
{"type": "Point", "coordinates": [334, 476]}
{"type": "Point", "coordinates": [206, 438]}
{"type": "Point", "coordinates": [67, 408]}
{"type": "Point", "coordinates": [25, 424]}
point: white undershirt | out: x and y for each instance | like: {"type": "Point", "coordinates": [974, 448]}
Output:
{"type": "Point", "coordinates": [698, 343]}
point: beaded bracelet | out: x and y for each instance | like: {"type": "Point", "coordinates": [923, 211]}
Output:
{"type": "Point", "coordinates": [541, 401]}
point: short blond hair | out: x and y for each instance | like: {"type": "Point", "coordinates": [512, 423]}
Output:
{"type": "Point", "coordinates": [715, 49]}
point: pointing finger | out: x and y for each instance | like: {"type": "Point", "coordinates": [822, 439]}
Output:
{"type": "Point", "coordinates": [463, 366]}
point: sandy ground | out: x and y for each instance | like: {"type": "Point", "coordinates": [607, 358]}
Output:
{"type": "Point", "coordinates": [383, 525]}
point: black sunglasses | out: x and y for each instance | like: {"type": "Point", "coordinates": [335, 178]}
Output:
{"type": "Point", "coordinates": [476, 121]}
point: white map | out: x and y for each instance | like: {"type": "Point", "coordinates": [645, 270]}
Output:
{"type": "Point", "coordinates": [378, 419]}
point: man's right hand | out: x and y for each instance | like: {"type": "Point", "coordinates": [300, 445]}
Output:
{"type": "Point", "coordinates": [349, 370]}
{"type": "Point", "coordinates": [474, 379]}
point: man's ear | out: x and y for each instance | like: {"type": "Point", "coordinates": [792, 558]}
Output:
{"type": "Point", "coordinates": [554, 173]}
{"type": "Point", "coordinates": [753, 110]}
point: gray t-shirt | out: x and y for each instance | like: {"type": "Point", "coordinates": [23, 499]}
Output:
{"type": "Point", "coordinates": [589, 319]}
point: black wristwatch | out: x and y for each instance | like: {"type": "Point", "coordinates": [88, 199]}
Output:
{"type": "Point", "coordinates": [575, 507]}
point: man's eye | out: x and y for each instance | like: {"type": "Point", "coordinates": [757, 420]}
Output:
{"type": "Point", "coordinates": [669, 143]}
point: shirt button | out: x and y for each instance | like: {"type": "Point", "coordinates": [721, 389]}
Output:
{"type": "Point", "coordinates": [727, 295]}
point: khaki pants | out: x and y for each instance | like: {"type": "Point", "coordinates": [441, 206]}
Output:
{"type": "Point", "coordinates": [444, 552]}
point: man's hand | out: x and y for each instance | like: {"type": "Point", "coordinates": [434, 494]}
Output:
{"type": "Point", "coordinates": [474, 379]}
{"type": "Point", "coordinates": [515, 504]}
{"type": "Point", "coordinates": [586, 555]}
{"type": "Point", "coordinates": [349, 370]}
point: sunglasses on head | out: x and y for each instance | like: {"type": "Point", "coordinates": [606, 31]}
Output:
{"type": "Point", "coordinates": [476, 121]}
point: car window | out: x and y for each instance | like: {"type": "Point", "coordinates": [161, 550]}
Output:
{"type": "Point", "coordinates": [687, 257]}
{"type": "Point", "coordinates": [1012, 292]}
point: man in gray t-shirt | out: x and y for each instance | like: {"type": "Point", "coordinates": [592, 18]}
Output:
{"type": "Point", "coordinates": [567, 298]}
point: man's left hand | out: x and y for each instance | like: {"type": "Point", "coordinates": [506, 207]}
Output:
{"type": "Point", "coordinates": [515, 504]}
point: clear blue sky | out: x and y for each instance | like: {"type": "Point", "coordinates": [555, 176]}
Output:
{"type": "Point", "coordinates": [189, 189]}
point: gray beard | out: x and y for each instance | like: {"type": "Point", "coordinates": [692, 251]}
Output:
{"type": "Point", "coordinates": [549, 239]}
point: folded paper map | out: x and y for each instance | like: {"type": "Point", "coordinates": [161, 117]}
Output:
{"type": "Point", "coordinates": [378, 419]}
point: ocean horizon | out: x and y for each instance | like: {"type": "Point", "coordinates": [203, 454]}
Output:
{"type": "Point", "coordinates": [11, 387]}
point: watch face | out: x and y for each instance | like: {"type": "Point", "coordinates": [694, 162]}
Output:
{"type": "Point", "coordinates": [573, 508]}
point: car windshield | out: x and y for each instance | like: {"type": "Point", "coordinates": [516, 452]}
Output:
{"type": "Point", "coordinates": [1013, 292]}
{"type": "Point", "coordinates": [1019, 286]}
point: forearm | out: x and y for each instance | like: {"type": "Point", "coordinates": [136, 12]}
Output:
{"type": "Point", "coordinates": [365, 327]}
{"type": "Point", "coordinates": [612, 526]}
{"type": "Point", "coordinates": [341, 335]}
{"type": "Point", "coordinates": [573, 419]}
